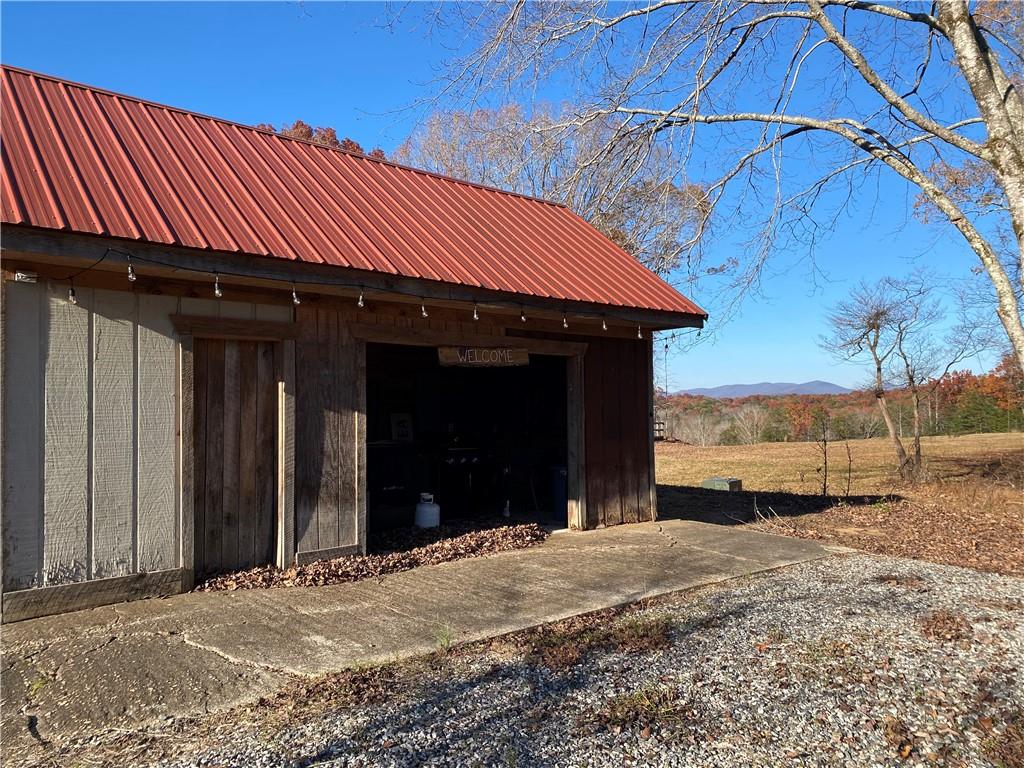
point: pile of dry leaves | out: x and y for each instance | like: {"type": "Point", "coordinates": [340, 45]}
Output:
{"type": "Point", "coordinates": [439, 545]}
{"type": "Point", "coordinates": [952, 525]}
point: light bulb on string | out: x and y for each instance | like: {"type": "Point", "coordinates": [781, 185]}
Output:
{"type": "Point", "coordinates": [423, 310]}
{"type": "Point", "coordinates": [565, 321]}
{"type": "Point", "coordinates": [639, 334]}
{"type": "Point", "coordinates": [476, 311]}
{"type": "Point", "coordinates": [216, 286]}
{"type": "Point", "coordinates": [131, 271]}
{"type": "Point", "coordinates": [522, 315]}
{"type": "Point", "coordinates": [360, 302]}
{"type": "Point", "coordinates": [295, 296]}
{"type": "Point", "coordinates": [72, 298]}
{"type": "Point", "coordinates": [604, 324]}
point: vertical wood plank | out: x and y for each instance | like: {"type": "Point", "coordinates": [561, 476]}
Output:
{"type": "Point", "coordinates": [157, 513]}
{"type": "Point", "coordinates": [232, 417]}
{"type": "Point", "coordinates": [286, 461]}
{"type": "Point", "coordinates": [652, 483]}
{"type": "Point", "coordinates": [214, 493]}
{"type": "Point", "coordinates": [113, 439]}
{"type": "Point", "coordinates": [201, 385]}
{"type": "Point", "coordinates": [266, 448]}
{"type": "Point", "coordinates": [328, 503]}
{"type": "Point", "coordinates": [308, 430]}
{"type": "Point", "coordinates": [629, 401]}
{"type": "Point", "coordinates": [594, 429]}
{"type": "Point", "coordinates": [360, 443]}
{"type": "Point", "coordinates": [66, 488]}
{"type": "Point", "coordinates": [186, 460]}
{"type": "Point", "coordinates": [249, 550]}
{"type": "Point", "coordinates": [25, 309]}
{"type": "Point", "coordinates": [348, 439]}
{"type": "Point", "coordinates": [613, 431]}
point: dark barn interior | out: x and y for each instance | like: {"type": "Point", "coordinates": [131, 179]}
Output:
{"type": "Point", "coordinates": [483, 440]}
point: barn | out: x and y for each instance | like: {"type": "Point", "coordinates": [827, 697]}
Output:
{"type": "Point", "coordinates": [224, 348]}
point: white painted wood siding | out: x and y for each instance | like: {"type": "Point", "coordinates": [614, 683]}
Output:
{"type": "Point", "coordinates": [91, 482]}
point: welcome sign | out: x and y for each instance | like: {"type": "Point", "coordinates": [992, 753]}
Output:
{"type": "Point", "coordinates": [483, 357]}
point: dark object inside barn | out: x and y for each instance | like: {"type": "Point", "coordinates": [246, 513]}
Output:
{"type": "Point", "coordinates": [482, 439]}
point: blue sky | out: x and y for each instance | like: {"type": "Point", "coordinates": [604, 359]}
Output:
{"type": "Point", "coordinates": [341, 65]}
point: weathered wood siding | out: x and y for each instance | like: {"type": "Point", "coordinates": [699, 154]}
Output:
{"type": "Point", "coordinates": [91, 465]}
{"type": "Point", "coordinates": [327, 428]}
{"type": "Point", "coordinates": [618, 419]}
{"type": "Point", "coordinates": [619, 471]}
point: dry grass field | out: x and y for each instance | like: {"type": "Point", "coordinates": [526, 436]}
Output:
{"type": "Point", "coordinates": [968, 510]}
{"type": "Point", "coordinates": [793, 467]}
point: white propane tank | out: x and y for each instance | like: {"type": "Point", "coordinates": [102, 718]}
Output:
{"type": "Point", "coordinates": [428, 514]}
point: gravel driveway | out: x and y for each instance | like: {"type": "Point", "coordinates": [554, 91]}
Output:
{"type": "Point", "coordinates": [852, 661]}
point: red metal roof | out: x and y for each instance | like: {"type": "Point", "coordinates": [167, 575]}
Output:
{"type": "Point", "coordinates": [85, 160]}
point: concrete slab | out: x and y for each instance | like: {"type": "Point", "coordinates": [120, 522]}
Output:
{"type": "Point", "coordinates": [124, 665]}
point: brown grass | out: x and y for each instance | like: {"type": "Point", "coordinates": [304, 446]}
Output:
{"type": "Point", "coordinates": [968, 511]}
{"type": "Point", "coordinates": [792, 467]}
{"type": "Point", "coordinates": [566, 643]}
{"type": "Point", "coordinates": [646, 709]}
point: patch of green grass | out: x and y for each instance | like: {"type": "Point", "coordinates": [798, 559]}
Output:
{"type": "Point", "coordinates": [36, 686]}
{"type": "Point", "coordinates": [445, 638]}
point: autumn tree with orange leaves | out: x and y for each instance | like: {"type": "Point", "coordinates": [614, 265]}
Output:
{"type": "Point", "coordinates": [328, 137]}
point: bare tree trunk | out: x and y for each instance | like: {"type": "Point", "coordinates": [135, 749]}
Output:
{"type": "Point", "coordinates": [914, 467]}
{"type": "Point", "coordinates": [1001, 106]}
{"type": "Point", "coordinates": [901, 452]}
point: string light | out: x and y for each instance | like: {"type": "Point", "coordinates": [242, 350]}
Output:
{"type": "Point", "coordinates": [361, 301]}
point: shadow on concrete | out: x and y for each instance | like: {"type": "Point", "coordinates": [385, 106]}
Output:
{"type": "Point", "coordinates": [685, 502]}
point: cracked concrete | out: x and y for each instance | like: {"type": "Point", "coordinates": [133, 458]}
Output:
{"type": "Point", "coordinates": [125, 665]}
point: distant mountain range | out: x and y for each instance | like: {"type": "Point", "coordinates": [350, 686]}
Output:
{"type": "Point", "coordinates": [769, 388]}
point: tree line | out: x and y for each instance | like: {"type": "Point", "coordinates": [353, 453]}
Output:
{"type": "Point", "coordinates": [960, 403]}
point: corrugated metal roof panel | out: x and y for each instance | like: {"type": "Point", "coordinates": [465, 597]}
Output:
{"type": "Point", "coordinates": [85, 160]}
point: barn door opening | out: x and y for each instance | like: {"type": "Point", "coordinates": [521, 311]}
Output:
{"type": "Point", "coordinates": [236, 455]}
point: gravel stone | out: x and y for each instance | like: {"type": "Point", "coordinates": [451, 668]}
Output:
{"type": "Point", "coordinates": [820, 664]}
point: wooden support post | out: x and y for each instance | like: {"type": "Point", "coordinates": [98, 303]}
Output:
{"type": "Point", "coordinates": [286, 458]}
{"type": "Point", "coordinates": [576, 480]}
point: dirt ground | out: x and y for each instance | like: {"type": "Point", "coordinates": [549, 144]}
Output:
{"type": "Point", "coordinates": [968, 511]}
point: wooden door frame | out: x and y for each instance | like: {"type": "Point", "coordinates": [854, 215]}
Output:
{"type": "Point", "coordinates": [572, 351]}
{"type": "Point", "coordinates": [188, 328]}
